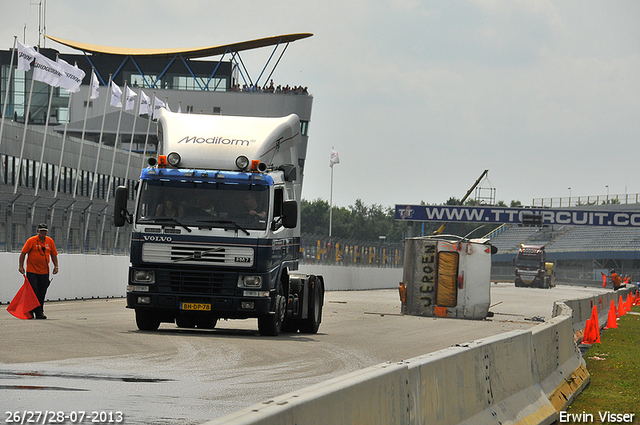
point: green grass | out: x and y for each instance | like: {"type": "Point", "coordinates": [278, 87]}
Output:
{"type": "Point", "coordinates": [614, 366]}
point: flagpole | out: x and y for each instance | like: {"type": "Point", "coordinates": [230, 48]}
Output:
{"type": "Point", "coordinates": [133, 134]}
{"type": "Point", "coordinates": [24, 136]}
{"type": "Point", "coordinates": [6, 96]}
{"type": "Point", "coordinates": [82, 141]}
{"type": "Point", "coordinates": [44, 138]}
{"type": "Point", "coordinates": [146, 138]}
{"type": "Point", "coordinates": [64, 140]}
{"type": "Point", "coordinates": [331, 203]}
{"type": "Point", "coordinates": [104, 116]}
{"type": "Point", "coordinates": [115, 142]}
{"type": "Point", "coordinates": [107, 100]}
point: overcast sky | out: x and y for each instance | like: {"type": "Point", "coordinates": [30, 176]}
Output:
{"type": "Point", "coordinates": [418, 97]}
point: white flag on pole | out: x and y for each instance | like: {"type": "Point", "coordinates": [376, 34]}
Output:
{"type": "Point", "coordinates": [26, 55]}
{"type": "Point", "coordinates": [72, 77]}
{"type": "Point", "coordinates": [334, 158]}
{"type": "Point", "coordinates": [116, 95]}
{"type": "Point", "coordinates": [145, 104]}
{"type": "Point", "coordinates": [130, 102]}
{"type": "Point", "coordinates": [157, 104]}
{"type": "Point", "coordinates": [95, 85]}
{"type": "Point", "coordinates": [47, 71]}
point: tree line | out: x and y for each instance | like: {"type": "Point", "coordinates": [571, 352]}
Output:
{"type": "Point", "coordinates": [370, 222]}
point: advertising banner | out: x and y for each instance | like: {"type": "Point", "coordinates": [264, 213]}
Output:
{"type": "Point", "coordinates": [527, 216]}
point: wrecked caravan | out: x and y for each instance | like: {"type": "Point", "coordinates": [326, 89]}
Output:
{"type": "Point", "coordinates": [447, 276]}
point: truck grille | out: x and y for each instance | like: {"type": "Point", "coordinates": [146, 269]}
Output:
{"type": "Point", "coordinates": [202, 255]}
{"type": "Point", "coordinates": [196, 281]}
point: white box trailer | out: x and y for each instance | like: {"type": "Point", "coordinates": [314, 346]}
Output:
{"type": "Point", "coordinates": [447, 276]}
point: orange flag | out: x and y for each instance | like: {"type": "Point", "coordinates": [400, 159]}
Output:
{"type": "Point", "coordinates": [24, 301]}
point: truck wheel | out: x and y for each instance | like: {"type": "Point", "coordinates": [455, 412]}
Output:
{"type": "Point", "coordinates": [271, 325]}
{"type": "Point", "coordinates": [311, 324]}
{"type": "Point", "coordinates": [147, 320]}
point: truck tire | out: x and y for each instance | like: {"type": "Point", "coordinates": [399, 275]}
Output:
{"type": "Point", "coordinates": [271, 325]}
{"type": "Point", "coordinates": [147, 320]}
{"type": "Point", "coordinates": [311, 324]}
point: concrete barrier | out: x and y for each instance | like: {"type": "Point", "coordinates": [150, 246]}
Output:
{"type": "Point", "coordinates": [80, 277]}
{"type": "Point", "coordinates": [105, 276]}
{"type": "Point", "coordinates": [377, 395]}
{"type": "Point", "coordinates": [559, 368]}
{"type": "Point", "coordinates": [520, 377]}
{"type": "Point", "coordinates": [355, 278]}
{"type": "Point", "coordinates": [581, 308]}
{"type": "Point", "coordinates": [486, 381]}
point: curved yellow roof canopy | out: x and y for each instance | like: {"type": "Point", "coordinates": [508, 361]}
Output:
{"type": "Point", "coordinates": [194, 52]}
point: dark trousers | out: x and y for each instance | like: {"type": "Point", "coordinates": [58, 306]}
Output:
{"type": "Point", "coordinates": [40, 284]}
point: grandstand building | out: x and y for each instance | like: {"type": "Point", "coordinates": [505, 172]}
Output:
{"type": "Point", "coordinates": [581, 253]}
{"type": "Point", "coordinates": [50, 173]}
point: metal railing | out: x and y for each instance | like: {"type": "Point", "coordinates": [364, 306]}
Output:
{"type": "Point", "coordinates": [578, 201]}
{"type": "Point", "coordinates": [76, 226]}
{"type": "Point", "coordinates": [327, 250]}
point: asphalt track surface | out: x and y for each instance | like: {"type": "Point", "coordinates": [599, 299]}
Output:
{"type": "Point", "coordinates": [90, 357]}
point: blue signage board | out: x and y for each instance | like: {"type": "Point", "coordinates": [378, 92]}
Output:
{"type": "Point", "coordinates": [535, 216]}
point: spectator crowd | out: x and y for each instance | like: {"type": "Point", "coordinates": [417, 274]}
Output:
{"type": "Point", "coordinates": [255, 88]}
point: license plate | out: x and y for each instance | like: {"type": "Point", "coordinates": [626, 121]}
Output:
{"type": "Point", "coordinates": [195, 306]}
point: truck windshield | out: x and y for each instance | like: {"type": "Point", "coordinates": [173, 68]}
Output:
{"type": "Point", "coordinates": [196, 204]}
{"type": "Point", "coordinates": [528, 262]}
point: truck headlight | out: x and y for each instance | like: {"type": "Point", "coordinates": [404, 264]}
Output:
{"type": "Point", "coordinates": [173, 159]}
{"type": "Point", "coordinates": [242, 162]}
{"type": "Point", "coordinates": [250, 282]}
{"type": "Point", "coordinates": [143, 276]}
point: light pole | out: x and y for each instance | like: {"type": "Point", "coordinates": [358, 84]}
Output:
{"type": "Point", "coordinates": [607, 186]}
{"type": "Point", "coordinates": [569, 196]}
{"type": "Point", "coordinates": [334, 160]}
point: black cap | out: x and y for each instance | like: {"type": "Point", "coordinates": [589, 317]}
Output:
{"type": "Point", "coordinates": [43, 226]}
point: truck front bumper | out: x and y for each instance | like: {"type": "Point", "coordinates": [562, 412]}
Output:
{"type": "Point", "coordinates": [228, 307]}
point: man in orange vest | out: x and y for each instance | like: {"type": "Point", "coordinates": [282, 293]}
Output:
{"type": "Point", "coordinates": [616, 280]}
{"type": "Point", "coordinates": [38, 250]}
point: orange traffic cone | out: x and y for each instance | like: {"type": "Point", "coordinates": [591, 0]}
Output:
{"type": "Point", "coordinates": [591, 333]}
{"type": "Point", "coordinates": [621, 311]}
{"type": "Point", "coordinates": [629, 304]}
{"type": "Point", "coordinates": [587, 337]}
{"type": "Point", "coordinates": [594, 315]}
{"type": "Point", "coordinates": [595, 322]}
{"type": "Point", "coordinates": [612, 322]}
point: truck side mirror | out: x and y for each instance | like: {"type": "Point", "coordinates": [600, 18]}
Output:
{"type": "Point", "coordinates": [290, 214]}
{"type": "Point", "coordinates": [120, 213]}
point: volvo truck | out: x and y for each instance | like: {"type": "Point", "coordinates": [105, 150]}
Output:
{"type": "Point", "coordinates": [532, 268]}
{"type": "Point", "coordinates": [216, 226]}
